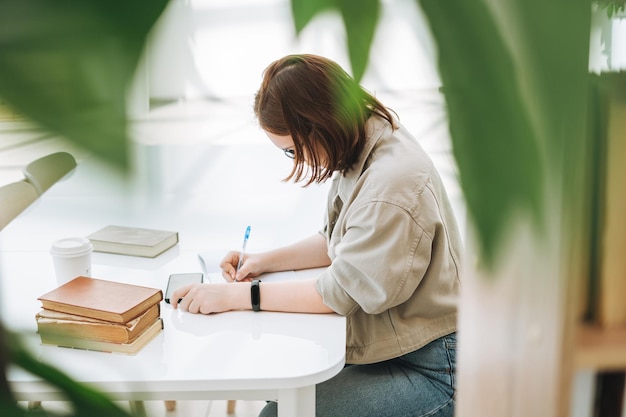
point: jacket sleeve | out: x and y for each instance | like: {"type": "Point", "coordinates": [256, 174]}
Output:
{"type": "Point", "coordinates": [380, 259]}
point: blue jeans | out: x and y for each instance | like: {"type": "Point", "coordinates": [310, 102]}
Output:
{"type": "Point", "coordinates": [418, 384]}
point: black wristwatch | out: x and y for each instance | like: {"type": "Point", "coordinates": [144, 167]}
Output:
{"type": "Point", "coordinates": [255, 295]}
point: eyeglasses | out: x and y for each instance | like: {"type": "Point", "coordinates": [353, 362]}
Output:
{"type": "Point", "coordinates": [290, 153]}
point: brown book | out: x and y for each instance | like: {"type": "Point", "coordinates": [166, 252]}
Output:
{"type": "Point", "coordinates": [129, 348]}
{"type": "Point", "coordinates": [100, 299]}
{"type": "Point", "coordinates": [55, 322]}
{"type": "Point", "coordinates": [133, 241]}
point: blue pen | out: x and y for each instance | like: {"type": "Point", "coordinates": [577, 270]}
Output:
{"type": "Point", "coordinates": [243, 251]}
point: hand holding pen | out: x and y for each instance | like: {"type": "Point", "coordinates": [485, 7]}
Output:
{"type": "Point", "coordinates": [243, 252]}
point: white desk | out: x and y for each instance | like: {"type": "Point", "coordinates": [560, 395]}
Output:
{"type": "Point", "coordinates": [235, 355]}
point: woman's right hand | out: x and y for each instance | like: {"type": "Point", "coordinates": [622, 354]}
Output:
{"type": "Point", "coordinates": [310, 252]}
{"type": "Point", "coordinates": [250, 268]}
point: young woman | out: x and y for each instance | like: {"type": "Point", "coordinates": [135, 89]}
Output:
{"type": "Point", "coordinates": [390, 243]}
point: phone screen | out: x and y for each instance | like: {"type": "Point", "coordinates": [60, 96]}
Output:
{"type": "Point", "coordinates": [180, 280]}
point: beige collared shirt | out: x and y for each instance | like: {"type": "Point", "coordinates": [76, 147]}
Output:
{"type": "Point", "coordinates": [394, 245]}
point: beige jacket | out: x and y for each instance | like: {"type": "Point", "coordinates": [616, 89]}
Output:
{"type": "Point", "coordinates": [394, 246]}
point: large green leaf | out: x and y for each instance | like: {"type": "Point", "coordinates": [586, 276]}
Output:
{"type": "Point", "coordinates": [304, 11]}
{"type": "Point", "coordinates": [515, 85]}
{"type": "Point", "coordinates": [494, 143]}
{"type": "Point", "coordinates": [66, 65]}
{"type": "Point", "coordinates": [360, 18]}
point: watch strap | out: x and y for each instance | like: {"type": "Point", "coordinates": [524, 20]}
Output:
{"type": "Point", "coordinates": [255, 294]}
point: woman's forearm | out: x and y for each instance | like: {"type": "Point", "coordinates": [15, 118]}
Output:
{"type": "Point", "coordinates": [307, 253]}
{"type": "Point", "coordinates": [299, 296]}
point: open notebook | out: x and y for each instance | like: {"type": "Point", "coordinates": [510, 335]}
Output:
{"type": "Point", "coordinates": [209, 261]}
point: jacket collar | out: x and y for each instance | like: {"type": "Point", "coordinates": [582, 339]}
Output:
{"type": "Point", "coordinates": [375, 127]}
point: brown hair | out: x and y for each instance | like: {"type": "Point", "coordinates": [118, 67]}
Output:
{"type": "Point", "coordinates": [315, 101]}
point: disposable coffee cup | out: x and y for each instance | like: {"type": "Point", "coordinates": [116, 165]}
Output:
{"type": "Point", "coordinates": [72, 258]}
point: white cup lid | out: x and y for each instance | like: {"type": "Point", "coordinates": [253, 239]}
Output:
{"type": "Point", "coordinates": [71, 245]}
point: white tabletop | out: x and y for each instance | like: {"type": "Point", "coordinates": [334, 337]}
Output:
{"type": "Point", "coordinates": [234, 355]}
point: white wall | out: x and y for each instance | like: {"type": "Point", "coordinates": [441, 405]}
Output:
{"type": "Point", "coordinates": [219, 48]}
{"type": "Point", "coordinates": [607, 47]}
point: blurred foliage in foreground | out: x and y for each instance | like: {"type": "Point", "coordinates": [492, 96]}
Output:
{"type": "Point", "coordinates": [67, 64]}
{"type": "Point", "coordinates": [84, 401]}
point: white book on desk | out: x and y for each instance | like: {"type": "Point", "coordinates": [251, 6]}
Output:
{"type": "Point", "coordinates": [215, 277]}
{"type": "Point", "coordinates": [133, 241]}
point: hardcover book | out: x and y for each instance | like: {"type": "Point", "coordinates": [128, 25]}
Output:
{"type": "Point", "coordinates": [101, 299]}
{"type": "Point", "coordinates": [132, 241]}
{"type": "Point", "coordinates": [129, 348]}
{"type": "Point", "coordinates": [56, 323]}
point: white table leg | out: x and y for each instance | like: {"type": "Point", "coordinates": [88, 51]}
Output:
{"type": "Point", "coordinates": [297, 402]}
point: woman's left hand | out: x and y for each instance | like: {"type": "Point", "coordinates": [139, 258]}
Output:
{"type": "Point", "coordinates": [208, 298]}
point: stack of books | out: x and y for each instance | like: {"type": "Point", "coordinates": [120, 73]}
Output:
{"type": "Point", "coordinates": [95, 314]}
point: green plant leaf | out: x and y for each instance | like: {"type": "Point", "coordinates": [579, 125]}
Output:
{"type": "Point", "coordinates": [360, 18]}
{"type": "Point", "coordinates": [493, 139]}
{"type": "Point", "coordinates": [611, 7]}
{"type": "Point", "coordinates": [304, 11]}
{"type": "Point", "coordinates": [66, 66]}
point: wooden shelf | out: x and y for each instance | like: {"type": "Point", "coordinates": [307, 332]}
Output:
{"type": "Point", "coordinates": [600, 348]}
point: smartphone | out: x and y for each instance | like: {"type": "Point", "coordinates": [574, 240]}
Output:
{"type": "Point", "coordinates": [176, 281]}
